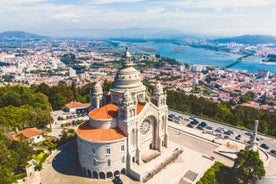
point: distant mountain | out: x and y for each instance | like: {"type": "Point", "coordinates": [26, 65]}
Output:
{"type": "Point", "coordinates": [19, 35]}
{"type": "Point", "coordinates": [133, 33]}
{"type": "Point", "coordinates": [248, 39]}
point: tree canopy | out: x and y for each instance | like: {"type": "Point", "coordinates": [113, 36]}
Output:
{"type": "Point", "coordinates": [249, 166]}
{"type": "Point", "coordinates": [22, 107]}
{"type": "Point", "coordinates": [13, 158]}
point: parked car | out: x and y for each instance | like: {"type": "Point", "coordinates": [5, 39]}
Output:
{"type": "Point", "coordinates": [249, 134]}
{"type": "Point", "coordinates": [265, 146]}
{"type": "Point", "coordinates": [192, 117]}
{"type": "Point", "coordinates": [191, 125]}
{"type": "Point", "coordinates": [231, 131]}
{"type": "Point", "coordinates": [220, 129]}
{"type": "Point", "coordinates": [238, 137]}
{"type": "Point", "coordinates": [203, 124]}
{"type": "Point", "coordinates": [170, 119]}
{"type": "Point", "coordinates": [180, 117]}
{"type": "Point", "coordinates": [186, 119]}
{"type": "Point", "coordinates": [209, 127]}
{"type": "Point", "coordinates": [195, 122]}
{"type": "Point", "coordinates": [273, 152]}
{"type": "Point", "coordinates": [200, 127]}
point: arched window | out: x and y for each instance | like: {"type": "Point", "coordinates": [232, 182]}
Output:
{"type": "Point", "coordinates": [94, 162]}
{"type": "Point", "coordinates": [108, 150]}
{"type": "Point", "coordinates": [93, 150]}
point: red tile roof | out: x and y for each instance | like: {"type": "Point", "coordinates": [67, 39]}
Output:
{"type": "Point", "coordinates": [140, 106]}
{"type": "Point", "coordinates": [76, 104]}
{"type": "Point", "coordinates": [96, 134]}
{"type": "Point", "coordinates": [28, 133]}
{"type": "Point", "coordinates": [108, 111]}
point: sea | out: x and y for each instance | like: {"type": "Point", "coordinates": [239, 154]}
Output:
{"type": "Point", "coordinates": [191, 55]}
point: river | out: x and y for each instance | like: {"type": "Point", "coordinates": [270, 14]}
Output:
{"type": "Point", "coordinates": [193, 55]}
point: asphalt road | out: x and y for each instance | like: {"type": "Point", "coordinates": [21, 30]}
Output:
{"type": "Point", "coordinates": [206, 148]}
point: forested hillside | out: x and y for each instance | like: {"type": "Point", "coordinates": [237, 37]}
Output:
{"type": "Point", "coordinates": [22, 107]}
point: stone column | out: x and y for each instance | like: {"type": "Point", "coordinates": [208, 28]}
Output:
{"type": "Point", "coordinates": [253, 143]}
{"type": "Point", "coordinates": [166, 136]}
{"type": "Point", "coordinates": [138, 150]}
{"type": "Point", "coordinates": [255, 129]}
{"type": "Point", "coordinates": [129, 159]}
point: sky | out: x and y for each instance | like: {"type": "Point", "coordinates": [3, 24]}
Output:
{"type": "Point", "coordinates": [210, 17]}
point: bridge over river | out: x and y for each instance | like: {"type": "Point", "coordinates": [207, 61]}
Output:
{"type": "Point", "coordinates": [236, 62]}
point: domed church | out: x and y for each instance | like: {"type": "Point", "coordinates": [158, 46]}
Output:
{"type": "Point", "coordinates": [120, 134]}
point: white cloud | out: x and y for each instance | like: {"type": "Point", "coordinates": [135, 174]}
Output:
{"type": "Point", "coordinates": [113, 1]}
{"type": "Point", "coordinates": [202, 16]}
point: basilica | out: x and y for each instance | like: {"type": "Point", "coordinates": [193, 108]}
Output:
{"type": "Point", "coordinates": [122, 131]}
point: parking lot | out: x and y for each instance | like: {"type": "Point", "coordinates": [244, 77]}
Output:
{"type": "Point", "coordinates": [223, 131]}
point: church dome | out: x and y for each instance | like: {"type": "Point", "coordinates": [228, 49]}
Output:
{"type": "Point", "coordinates": [98, 88]}
{"type": "Point", "coordinates": [127, 77]}
{"type": "Point", "coordinates": [158, 90]}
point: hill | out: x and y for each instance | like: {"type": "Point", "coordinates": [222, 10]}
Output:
{"type": "Point", "coordinates": [19, 35]}
{"type": "Point", "coordinates": [248, 39]}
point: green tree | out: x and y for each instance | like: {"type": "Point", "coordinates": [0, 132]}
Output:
{"type": "Point", "coordinates": [44, 88]}
{"type": "Point", "coordinates": [249, 166]}
{"type": "Point", "coordinates": [13, 158]}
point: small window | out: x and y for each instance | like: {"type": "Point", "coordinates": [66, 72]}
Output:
{"type": "Point", "coordinates": [93, 151]}
{"type": "Point", "coordinates": [108, 163]}
{"type": "Point", "coordinates": [94, 162]}
{"type": "Point", "coordinates": [123, 159]}
{"type": "Point", "coordinates": [107, 150]}
{"type": "Point", "coordinates": [122, 147]}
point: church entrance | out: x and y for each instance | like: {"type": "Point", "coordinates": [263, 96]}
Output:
{"type": "Point", "coordinates": [148, 138]}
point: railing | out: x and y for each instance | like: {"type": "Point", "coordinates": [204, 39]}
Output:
{"type": "Point", "coordinates": [159, 167]}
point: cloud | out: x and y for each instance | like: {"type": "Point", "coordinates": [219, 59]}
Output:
{"type": "Point", "coordinates": [114, 1]}
{"type": "Point", "coordinates": [202, 16]}
{"type": "Point", "coordinates": [66, 17]}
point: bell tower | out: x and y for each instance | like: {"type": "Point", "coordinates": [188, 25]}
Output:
{"type": "Point", "coordinates": [127, 106]}
{"type": "Point", "coordinates": [159, 98]}
{"type": "Point", "coordinates": [96, 97]}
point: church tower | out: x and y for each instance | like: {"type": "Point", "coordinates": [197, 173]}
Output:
{"type": "Point", "coordinates": [159, 98]}
{"type": "Point", "coordinates": [127, 106]}
{"type": "Point", "coordinates": [96, 97]}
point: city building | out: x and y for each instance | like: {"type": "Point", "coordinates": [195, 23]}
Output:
{"type": "Point", "coordinates": [197, 68]}
{"type": "Point", "coordinates": [120, 135]}
{"type": "Point", "coordinates": [76, 107]}
{"type": "Point", "coordinates": [32, 135]}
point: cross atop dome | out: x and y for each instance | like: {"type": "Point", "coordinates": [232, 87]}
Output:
{"type": "Point", "coordinates": [127, 53]}
{"type": "Point", "coordinates": [127, 62]}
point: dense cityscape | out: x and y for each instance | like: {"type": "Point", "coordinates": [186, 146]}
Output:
{"type": "Point", "coordinates": [88, 61]}
{"type": "Point", "coordinates": [66, 70]}
{"type": "Point", "coordinates": [137, 91]}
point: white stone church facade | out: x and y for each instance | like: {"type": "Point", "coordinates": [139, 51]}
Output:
{"type": "Point", "coordinates": [119, 133]}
